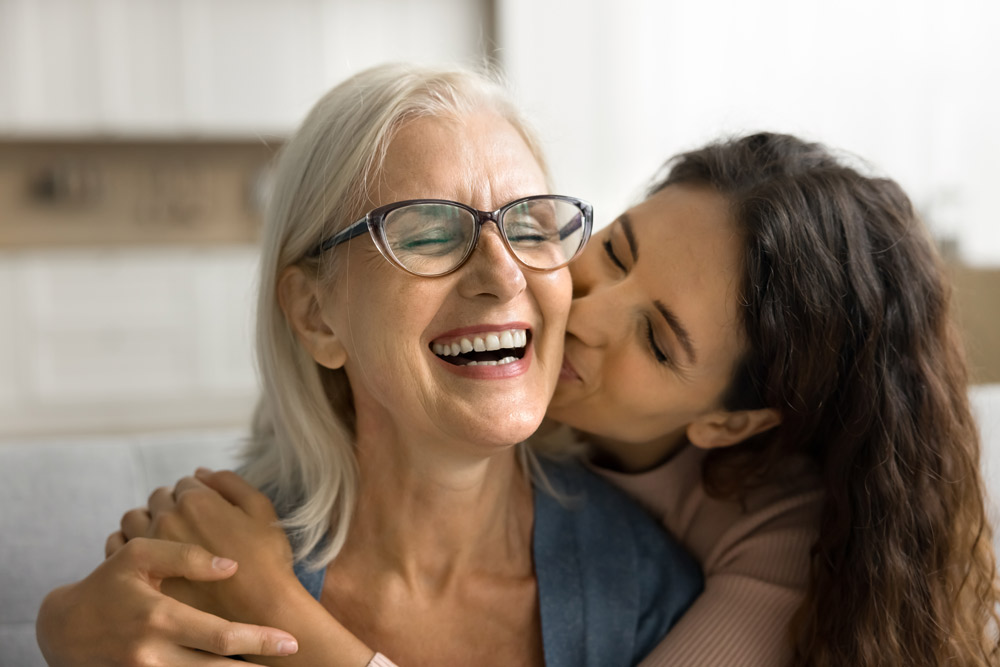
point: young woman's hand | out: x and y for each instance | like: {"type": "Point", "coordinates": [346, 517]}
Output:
{"type": "Point", "coordinates": [227, 516]}
{"type": "Point", "coordinates": [118, 615]}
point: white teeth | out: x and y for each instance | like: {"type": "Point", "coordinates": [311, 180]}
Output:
{"type": "Point", "coordinates": [505, 360]}
{"type": "Point", "coordinates": [509, 339]}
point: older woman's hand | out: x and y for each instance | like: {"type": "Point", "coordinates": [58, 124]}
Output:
{"type": "Point", "coordinates": [119, 616]}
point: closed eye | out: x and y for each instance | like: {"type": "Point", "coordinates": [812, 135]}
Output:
{"type": "Point", "coordinates": [612, 256]}
{"type": "Point", "coordinates": [657, 351]}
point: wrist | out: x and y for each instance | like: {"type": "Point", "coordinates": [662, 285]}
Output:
{"type": "Point", "coordinates": [271, 599]}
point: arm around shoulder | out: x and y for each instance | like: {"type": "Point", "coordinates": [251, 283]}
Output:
{"type": "Point", "coordinates": [756, 577]}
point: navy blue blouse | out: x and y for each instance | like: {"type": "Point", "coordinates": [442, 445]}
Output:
{"type": "Point", "coordinates": [611, 581]}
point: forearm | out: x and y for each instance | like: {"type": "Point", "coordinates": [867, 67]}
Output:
{"type": "Point", "coordinates": [118, 616]}
{"type": "Point", "coordinates": [736, 622]}
{"type": "Point", "coordinates": [323, 640]}
{"type": "Point", "coordinates": [265, 591]}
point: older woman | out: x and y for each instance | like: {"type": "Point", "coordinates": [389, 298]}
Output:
{"type": "Point", "coordinates": [411, 317]}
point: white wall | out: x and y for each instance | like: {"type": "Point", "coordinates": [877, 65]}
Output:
{"type": "Point", "coordinates": [619, 85]}
{"type": "Point", "coordinates": [126, 339]}
{"type": "Point", "coordinates": [206, 67]}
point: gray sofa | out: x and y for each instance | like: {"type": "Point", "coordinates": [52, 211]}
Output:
{"type": "Point", "coordinates": [59, 499]}
{"type": "Point", "coordinates": [71, 492]}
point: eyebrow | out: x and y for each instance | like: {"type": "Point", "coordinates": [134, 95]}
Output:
{"type": "Point", "coordinates": [626, 225]}
{"type": "Point", "coordinates": [675, 324]}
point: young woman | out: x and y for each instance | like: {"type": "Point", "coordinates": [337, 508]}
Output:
{"type": "Point", "coordinates": [764, 282]}
{"type": "Point", "coordinates": [761, 351]}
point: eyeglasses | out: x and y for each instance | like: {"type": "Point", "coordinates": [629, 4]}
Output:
{"type": "Point", "coordinates": [433, 237]}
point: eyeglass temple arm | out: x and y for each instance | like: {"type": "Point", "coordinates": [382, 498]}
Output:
{"type": "Point", "coordinates": [574, 225]}
{"type": "Point", "coordinates": [356, 229]}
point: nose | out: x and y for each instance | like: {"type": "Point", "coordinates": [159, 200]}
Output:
{"type": "Point", "coordinates": [592, 316]}
{"type": "Point", "coordinates": [596, 308]}
{"type": "Point", "coordinates": [491, 270]}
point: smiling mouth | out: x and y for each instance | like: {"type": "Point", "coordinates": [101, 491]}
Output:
{"type": "Point", "coordinates": [488, 348]}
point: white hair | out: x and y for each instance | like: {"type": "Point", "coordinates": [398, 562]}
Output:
{"type": "Point", "coordinates": [301, 450]}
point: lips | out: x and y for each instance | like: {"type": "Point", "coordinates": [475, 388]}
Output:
{"type": "Point", "coordinates": [567, 372]}
{"type": "Point", "coordinates": [483, 348]}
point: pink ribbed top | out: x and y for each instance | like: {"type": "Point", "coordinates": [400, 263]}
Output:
{"type": "Point", "coordinates": [755, 559]}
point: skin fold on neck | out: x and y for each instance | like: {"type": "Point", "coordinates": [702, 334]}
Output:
{"type": "Point", "coordinates": [439, 539]}
{"type": "Point", "coordinates": [428, 512]}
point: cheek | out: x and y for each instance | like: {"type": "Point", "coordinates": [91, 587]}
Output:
{"type": "Point", "coordinates": [635, 388]}
{"type": "Point", "coordinates": [377, 317]}
{"type": "Point", "coordinates": [642, 407]}
{"type": "Point", "coordinates": [645, 398]}
{"type": "Point", "coordinates": [553, 294]}
{"type": "Point", "coordinates": [560, 296]}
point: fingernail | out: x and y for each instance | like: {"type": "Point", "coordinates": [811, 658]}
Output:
{"type": "Point", "coordinates": [287, 647]}
{"type": "Point", "coordinates": [223, 563]}
{"type": "Point", "coordinates": [202, 472]}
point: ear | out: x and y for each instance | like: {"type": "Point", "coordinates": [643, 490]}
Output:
{"type": "Point", "coordinates": [299, 301]}
{"type": "Point", "coordinates": [723, 428]}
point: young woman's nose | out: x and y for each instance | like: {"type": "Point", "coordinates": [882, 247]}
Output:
{"type": "Point", "coordinates": [582, 280]}
{"type": "Point", "coordinates": [491, 270]}
{"type": "Point", "coordinates": [594, 312]}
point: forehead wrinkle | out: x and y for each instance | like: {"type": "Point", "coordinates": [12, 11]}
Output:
{"type": "Point", "coordinates": [411, 159]}
{"type": "Point", "coordinates": [500, 167]}
{"type": "Point", "coordinates": [442, 159]}
{"type": "Point", "coordinates": [498, 175]}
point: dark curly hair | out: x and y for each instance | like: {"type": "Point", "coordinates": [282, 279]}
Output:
{"type": "Point", "coordinates": [845, 310]}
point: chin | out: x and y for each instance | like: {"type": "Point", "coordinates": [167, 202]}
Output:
{"type": "Point", "coordinates": [515, 431]}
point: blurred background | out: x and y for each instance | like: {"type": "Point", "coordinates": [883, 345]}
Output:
{"type": "Point", "coordinates": [135, 138]}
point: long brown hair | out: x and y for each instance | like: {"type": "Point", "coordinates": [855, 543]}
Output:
{"type": "Point", "coordinates": [846, 314]}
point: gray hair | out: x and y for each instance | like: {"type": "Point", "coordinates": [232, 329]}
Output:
{"type": "Point", "coordinates": [301, 449]}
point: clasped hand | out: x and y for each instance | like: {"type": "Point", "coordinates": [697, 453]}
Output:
{"type": "Point", "coordinates": [182, 583]}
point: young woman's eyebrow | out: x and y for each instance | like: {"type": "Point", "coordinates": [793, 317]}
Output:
{"type": "Point", "coordinates": [675, 324]}
{"type": "Point", "coordinates": [626, 224]}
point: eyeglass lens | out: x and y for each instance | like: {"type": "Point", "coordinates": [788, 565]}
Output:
{"type": "Point", "coordinates": [434, 238]}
